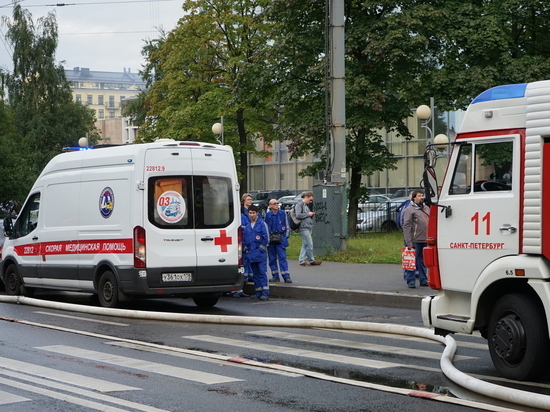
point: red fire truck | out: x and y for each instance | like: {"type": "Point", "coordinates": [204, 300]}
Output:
{"type": "Point", "coordinates": [489, 237]}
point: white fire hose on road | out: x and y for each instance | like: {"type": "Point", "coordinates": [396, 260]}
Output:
{"type": "Point", "coordinates": [514, 396]}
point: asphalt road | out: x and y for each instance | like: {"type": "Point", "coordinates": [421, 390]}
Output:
{"type": "Point", "coordinates": [178, 366]}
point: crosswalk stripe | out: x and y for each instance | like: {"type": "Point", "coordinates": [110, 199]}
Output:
{"type": "Point", "coordinates": [16, 378]}
{"type": "Point", "coordinates": [465, 344]}
{"type": "Point", "coordinates": [63, 376]}
{"type": "Point", "coordinates": [152, 367]}
{"type": "Point", "coordinates": [202, 359]}
{"type": "Point", "coordinates": [6, 397]}
{"type": "Point", "coordinates": [354, 345]}
{"type": "Point", "coordinates": [306, 353]}
{"type": "Point", "coordinates": [81, 318]}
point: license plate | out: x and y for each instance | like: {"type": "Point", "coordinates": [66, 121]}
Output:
{"type": "Point", "coordinates": [177, 277]}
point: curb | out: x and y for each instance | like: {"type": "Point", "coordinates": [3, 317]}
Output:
{"type": "Point", "coordinates": [347, 296]}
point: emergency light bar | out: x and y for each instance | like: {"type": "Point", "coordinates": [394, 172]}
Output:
{"type": "Point", "coordinates": [509, 91]}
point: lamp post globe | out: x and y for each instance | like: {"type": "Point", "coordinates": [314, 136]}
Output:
{"type": "Point", "coordinates": [423, 112]}
{"type": "Point", "coordinates": [83, 142]}
{"type": "Point", "coordinates": [217, 128]}
{"type": "Point", "coordinates": [441, 141]}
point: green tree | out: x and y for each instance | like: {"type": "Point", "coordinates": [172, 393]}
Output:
{"type": "Point", "coordinates": [43, 112]}
{"type": "Point", "coordinates": [385, 52]}
{"type": "Point", "coordinates": [200, 73]}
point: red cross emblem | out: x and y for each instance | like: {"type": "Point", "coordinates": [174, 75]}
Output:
{"type": "Point", "coordinates": [223, 240]}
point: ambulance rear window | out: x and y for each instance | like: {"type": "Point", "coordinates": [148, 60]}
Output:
{"type": "Point", "coordinates": [190, 202]}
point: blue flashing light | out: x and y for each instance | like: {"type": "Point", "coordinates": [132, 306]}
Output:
{"type": "Point", "coordinates": [75, 149]}
{"type": "Point", "coordinates": [509, 91]}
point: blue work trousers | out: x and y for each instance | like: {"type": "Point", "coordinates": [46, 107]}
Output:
{"type": "Point", "coordinates": [277, 261]}
{"type": "Point", "coordinates": [420, 267]}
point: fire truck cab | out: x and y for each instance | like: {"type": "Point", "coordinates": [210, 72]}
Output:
{"type": "Point", "coordinates": [488, 238]}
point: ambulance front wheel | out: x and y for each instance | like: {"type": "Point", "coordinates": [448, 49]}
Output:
{"type": "Point", "coordinates": [108, 290]}
{"type": "Point", "coordinates": [207, 300]}
{"type": "Point", "coordinates": [518, 338]}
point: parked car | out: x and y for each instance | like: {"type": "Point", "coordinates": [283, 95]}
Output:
{"type": "Point", "coordinates": [382, 219]}
{"type": "Point", "coordinates": [260, 199]}
{"type": "Point", "coordinates": [289, 201]}
{"type": "Point", "coordinates": [373, 202]}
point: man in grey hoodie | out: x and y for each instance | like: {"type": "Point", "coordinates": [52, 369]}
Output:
{"type": "Point", "coordinates": [305, 214]}
{"type": "Point", "coordinates": [415, 225]}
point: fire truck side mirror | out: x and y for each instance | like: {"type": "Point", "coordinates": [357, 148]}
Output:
{"type": "Point", "coordinates": [430, 186]}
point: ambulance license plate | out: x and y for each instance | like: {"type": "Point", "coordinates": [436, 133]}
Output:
{"type": "Point", "coordinates": [177, 277]}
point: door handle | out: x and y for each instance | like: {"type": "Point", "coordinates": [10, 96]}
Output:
{"type": "Point", "coordinates": [35, 238]}
{"type": "Point", "coordinates": [510, 229]}
{"type": "Point", "coordinates": [207, 238]}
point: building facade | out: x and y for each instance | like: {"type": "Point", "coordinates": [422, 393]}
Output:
{"type": "Point", "coordinates": [105, 92]}
{"type": "Point", "coordinates": [278, 171]}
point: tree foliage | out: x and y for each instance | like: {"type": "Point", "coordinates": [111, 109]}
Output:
{"type": "Point", "coordinates": [200, 76]}
{"type": "Point", "coordinates": [40, 115]}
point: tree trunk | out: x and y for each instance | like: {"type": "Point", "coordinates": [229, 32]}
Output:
{"type": "Point", "coordinates": [355, 184]}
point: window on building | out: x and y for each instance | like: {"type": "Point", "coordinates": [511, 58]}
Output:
{"type": "Point", "coordinates": [111, 114]}
{"type": "Point", "coordinates": [100, 114]}
{"type": "Point", "coordinates": [100, 100]}
{"type": "Point", "coordinates": [122, 98]}
{"type": "Point", "coordinates": [111, 101]}
{"type": "Point", "coordinates": [90, 99]}
{"type": "Point", "coordinates": [78, 98]}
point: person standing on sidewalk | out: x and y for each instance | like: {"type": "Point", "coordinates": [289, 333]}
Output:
{"type": "Point", "coordinates": [255, 240]}
{"type": "Point", "coordinates": [305, 214]}
{"type": "Point", "coordinates": [415, 225]}
{"type": "Point", "coordinates": [279, 232]}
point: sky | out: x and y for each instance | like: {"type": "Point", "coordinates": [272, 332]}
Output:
{"type": "Point", "coordinates": [98, 34]}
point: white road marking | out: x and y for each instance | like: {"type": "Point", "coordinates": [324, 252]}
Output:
{"type": "Point", "coordinates": [81, 318]}
{"type": "Point", "coordinates": [223, 362]}
{"type": "Point", "coordinates": [63, 376]}
{"type": "Point", "coordinates": [6, 397]}
{"type": "Point", "coordinates": [152, 367]}
{"type": "Point", "coordinates": [306, 353]}
{"type": "Point", "coordinates": [464, 344]}
{"type": "Point", "coordinates": [70, 398]}
{"type": "Point", "coordinates": [354, 345]}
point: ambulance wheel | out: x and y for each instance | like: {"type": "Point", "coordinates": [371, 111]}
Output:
{"type": "Point", "coordinates": [108, 290]}
{"type": "Point", "coordinates": [518, 338]}
{"type": "Point", "coordinates": [12, 281]}
{"type": "Point", "coordinates": [206, 300]}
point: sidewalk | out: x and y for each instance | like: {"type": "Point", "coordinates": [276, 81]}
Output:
{"type": "Point", "coordinates": [350, 283]}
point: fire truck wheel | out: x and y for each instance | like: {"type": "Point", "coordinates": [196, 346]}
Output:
{"type": "Point", "coordinates": [207, 300]}
{"type": "Point", "coordinates": [12, 281]}
{"type": "Point", "coordinates": [518, 338]}
{"type": "Point", "coordinates": [108, 290]}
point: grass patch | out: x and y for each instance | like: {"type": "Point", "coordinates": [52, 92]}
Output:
{"type": "Point", "coordinates": [364, 248]}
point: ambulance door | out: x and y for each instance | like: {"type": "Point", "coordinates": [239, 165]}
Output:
{"type": "Point", "coordinates": [483, 196]}
{"type": "Point", "coordinates": [59, 212]}
{"type": "Point", "coordinates": [24, 244]}
{"type": "Point", "coordinates": [171, 256]}
{"type": "Point", "coordinates": [216, 216]}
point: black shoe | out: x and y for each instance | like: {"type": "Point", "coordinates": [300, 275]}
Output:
{"type": "Point", "coordinates": [412, 286]}
{"type": "Point", "coordinates": [274, 280]}
{"type": "Point", "coordinates": [288, 280]}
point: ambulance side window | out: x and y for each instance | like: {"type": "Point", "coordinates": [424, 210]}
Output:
{"type": "Point", "coordinates": [213, 202]}
{"type": "Point", "coordinates": [28, 218]}
{"type": "Point", "coordinates": [493, 167]}
{"type": "Point", "coordinates": [462, 177]}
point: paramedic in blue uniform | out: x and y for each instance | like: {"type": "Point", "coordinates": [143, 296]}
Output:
{"type": "Point", "coordinates": [255, 240]}
{"type": "Point", "coordinates": [246, 202]}
{"type": "Point", "coordinates": [277, 223]}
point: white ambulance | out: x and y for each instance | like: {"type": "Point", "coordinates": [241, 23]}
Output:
{"type": "Point", "coordinates": [488, 250]}
{"type": "Point", "coordinates": [147, 220]}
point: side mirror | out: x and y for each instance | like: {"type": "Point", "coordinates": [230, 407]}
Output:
{"type": "Point", "coordinates": [8, 227]}
{"type": "Point", "coordinates": [430, 186]}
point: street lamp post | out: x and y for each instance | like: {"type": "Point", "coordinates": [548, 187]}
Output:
{"type": "Point", "coordinates": [217, 129]}
{"type": "Point", "coordinates": [425, 114]}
